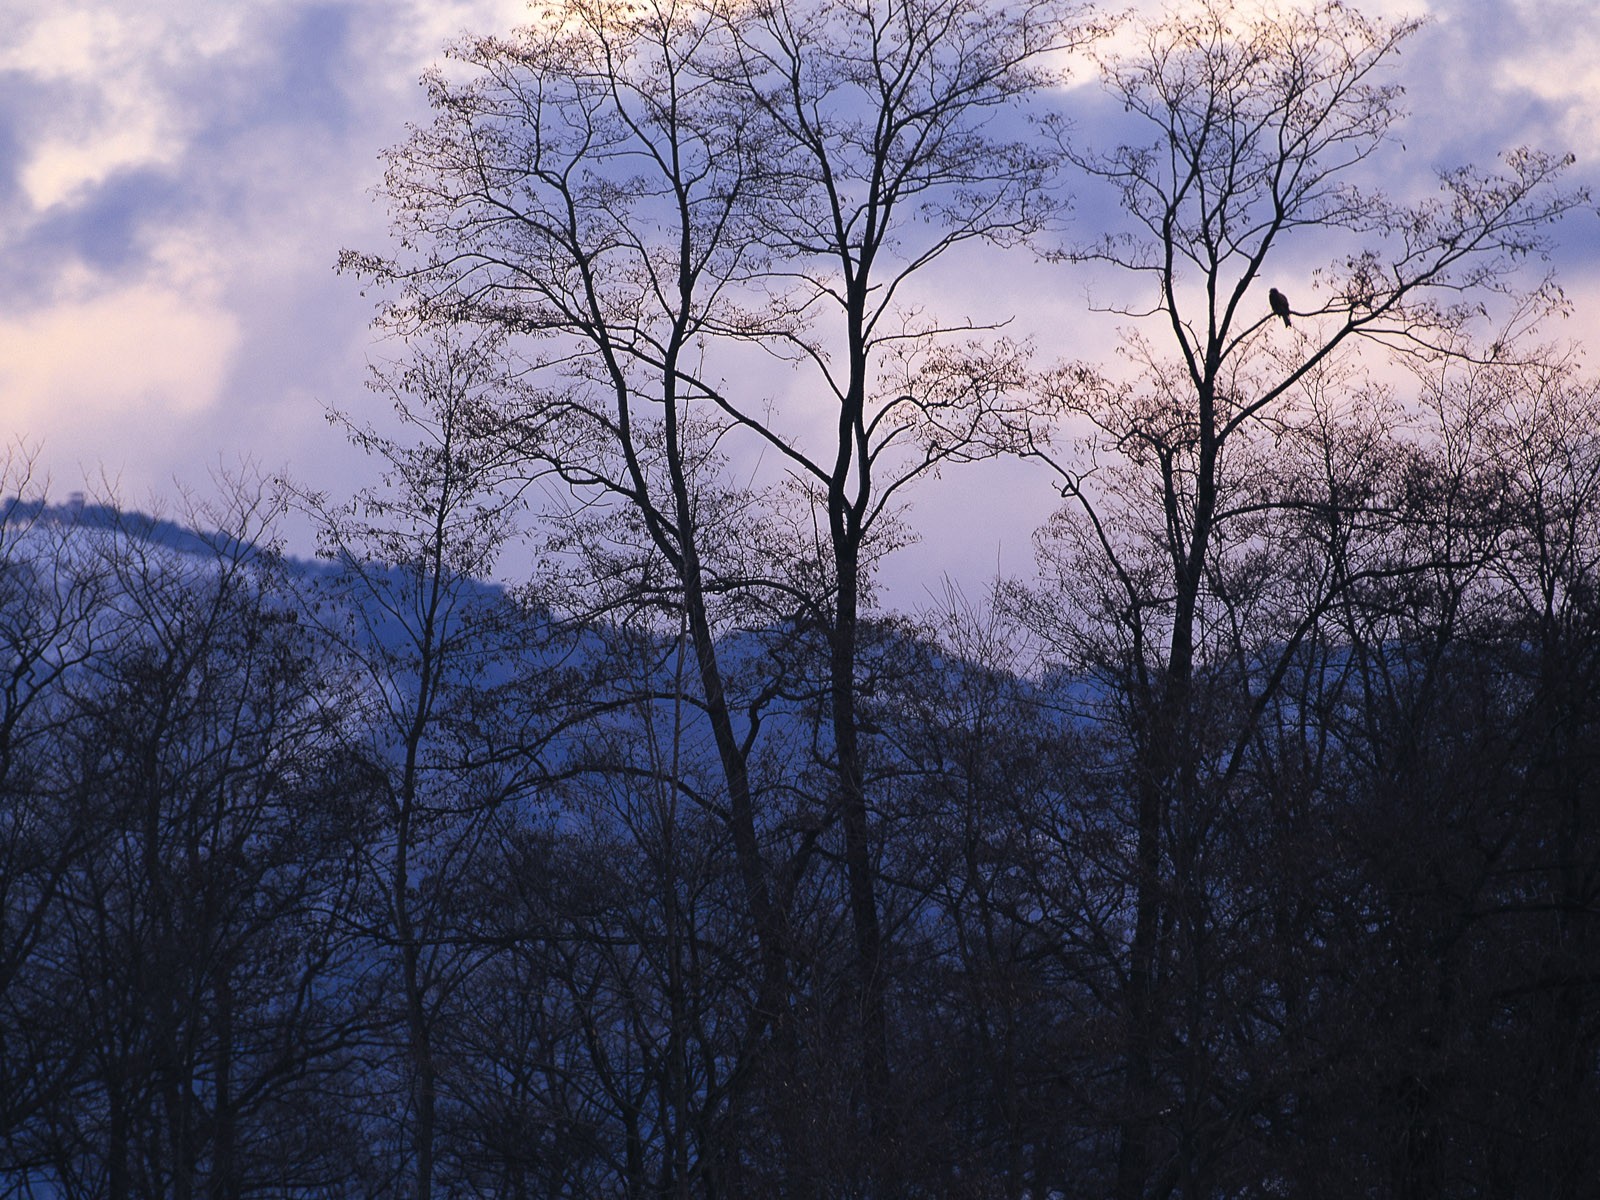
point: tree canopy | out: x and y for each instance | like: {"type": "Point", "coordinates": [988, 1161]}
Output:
{"type": "Point", "coordinates": [1245, 850]}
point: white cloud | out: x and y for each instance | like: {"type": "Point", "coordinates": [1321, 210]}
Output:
{"type": "Point", "coordinates": [108, 66]}
{"type": "Point", "coordinates": [63, 167]}
{"type": "Point", "coordinates": [425, 28]}
{"type": "Point", "coordinates": [1560, 64]}
{"type": "Point", "coordinates": [139, 354]}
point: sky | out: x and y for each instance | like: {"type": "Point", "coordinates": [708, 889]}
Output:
{"type": "Point", "coordinates": [177, 178]}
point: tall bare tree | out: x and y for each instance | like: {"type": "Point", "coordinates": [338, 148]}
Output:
{"type": "Point", "coordinates": [454, 698]}
{"type": "Point", "coordinates": [875, 120]}
{"type": "Point", "coordinates": [647, 196]}
{"type": "Point", "coordinates": [1253, 138]}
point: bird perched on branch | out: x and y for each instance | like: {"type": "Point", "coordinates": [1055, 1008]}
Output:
{"type": "Point", "coordinates": [1280, 304]}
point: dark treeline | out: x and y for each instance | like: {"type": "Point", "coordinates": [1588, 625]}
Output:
{"type": "Point", "coordinates": [1250, 850]}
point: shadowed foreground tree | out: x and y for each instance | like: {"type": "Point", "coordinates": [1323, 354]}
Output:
{"type": "Point", "coordinates": [874, 123]}
{"type": "Point", "coordinates": [647, 196]}
{"type": "Point", "coordinates": [185, 995]}
{"type": "Point", "coordinates": [579, 189]}
{"type": "Point", "coordinates": [1261, 129]}
{"type": "Point", "coordinates": [457, 692]}
{"type": "Point", "coordinates": [1544, 456]}
{"type": "Point", "coordinates": [48, 604]}
{"type": "Point", "coordinates": [1478, 704]}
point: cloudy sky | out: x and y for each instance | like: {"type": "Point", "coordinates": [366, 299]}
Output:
{"type": "Point", "coordinates": [177, 178]}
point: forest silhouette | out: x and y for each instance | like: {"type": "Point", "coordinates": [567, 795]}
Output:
{"type": "Point", "coordinates": [1249, 849]}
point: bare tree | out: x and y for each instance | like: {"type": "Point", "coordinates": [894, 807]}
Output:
{"type": "Point", "coordinates": [192, 829]}
{"type": "Point", "coordinates": [582, 188]}
{"type": "Point", "coordinates": [650, 194]}
{"type": "Point", "coordinates": [1262, 129]}
{"type": "Point", "coordinates": [875, 120]}
{"type": "Point", "coordinates": [48, 602]}
{"type": "Point", "coordinates": [455, 688]}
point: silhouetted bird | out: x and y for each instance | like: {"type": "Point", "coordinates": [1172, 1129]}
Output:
{"type": "Point", "coordinates": [1280, 304]}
